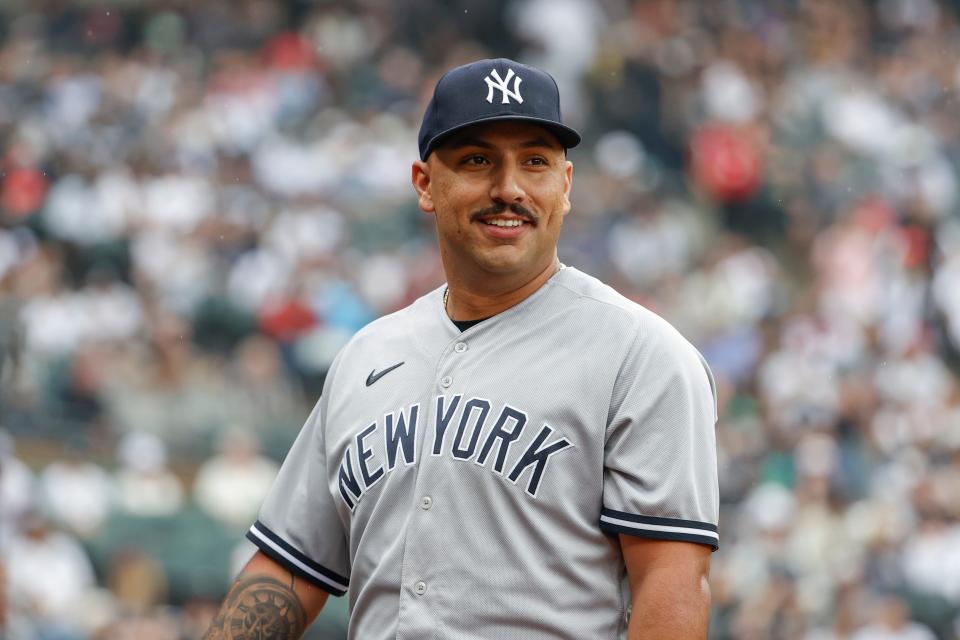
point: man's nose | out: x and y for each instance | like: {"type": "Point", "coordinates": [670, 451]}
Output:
{"type": "Point", "coordinates": [506, 185]}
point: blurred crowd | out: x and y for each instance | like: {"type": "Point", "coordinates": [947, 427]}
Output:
{"type": "Point", "coordinates": [201, 202]}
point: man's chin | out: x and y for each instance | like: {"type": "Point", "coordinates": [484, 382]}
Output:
{"type": "Point", "coordinates": [504, 260]}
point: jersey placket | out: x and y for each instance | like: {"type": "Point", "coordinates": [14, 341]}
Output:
{"type": "Point", "coordinates": [423, 571]}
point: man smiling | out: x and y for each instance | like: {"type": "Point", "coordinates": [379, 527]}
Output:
{"type": "Point", "coordinates": [521, 453]}
{"type": "Point", "coordinates": [499, 191]}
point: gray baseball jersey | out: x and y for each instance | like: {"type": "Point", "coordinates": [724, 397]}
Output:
{"type": "Point", "coordinates": [471, 485]}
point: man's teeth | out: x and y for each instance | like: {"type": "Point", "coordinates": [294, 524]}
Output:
{"type": "Point", "coordinates": [505, 223]}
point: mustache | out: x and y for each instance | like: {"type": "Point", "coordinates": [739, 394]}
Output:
{"type": "Point", "coordinates": [500, 207]}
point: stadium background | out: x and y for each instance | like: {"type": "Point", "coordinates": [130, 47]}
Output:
{"type": "Point", "coordinates": [201, 201]}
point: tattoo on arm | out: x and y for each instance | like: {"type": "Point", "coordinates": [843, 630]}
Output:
{"type": "Point", "coordinates": [259, 608]}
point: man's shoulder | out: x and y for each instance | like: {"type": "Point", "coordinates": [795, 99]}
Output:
{"type": "Point", "coordinates": [654, 350]}
{"type": "Point", "coordinates": [608, 308]}
{"type": "Point", "coordinates": [590, 295]}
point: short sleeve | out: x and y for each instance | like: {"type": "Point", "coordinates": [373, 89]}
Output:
{"type": "Point", "coordinates": [660, 460]}
{"type": "Point", "coordinates": [298, 525]}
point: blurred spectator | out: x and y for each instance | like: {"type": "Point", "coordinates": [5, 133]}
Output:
{"type": "Point", "coordinates": [144, 484]}
{"type": "Point", "coordinates": [4, 600]}
{"type": "Point", "coordinates": [231, 485]}
{"type": "Point", "coordinates": [162, 625]}
{"type": "Point", "coordinates": [18, 491]}
{"type": "Point", "coordinates": [136, 582]}
{"type": "Point", "coordinates": [771, 612]}
{"type": "Point", "coordinates": [49, 576]}
{"type": "Point", "coordinates": [78, 494]}
{"type": "Point", "coordinates": [198, 614]}
{"type": "Point", "coordinates": [847, 615]}
{"type": "Point", "coordinates": [168, 389]}
{"type": "Point", "coordinates": [891, 621]}
{"type": "Point", "coordinates": [201, 202]}
{"type": "Point", "coordinates": [262, 394]}
{"type": "Point", "coordinates": [931, 559]}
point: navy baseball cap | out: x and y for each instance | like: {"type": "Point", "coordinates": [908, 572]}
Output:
{"type": "Point", "coordinates": [490, 90]}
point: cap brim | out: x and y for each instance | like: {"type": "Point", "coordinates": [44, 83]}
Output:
{"type": "Point", "coordinates": [567, 137]}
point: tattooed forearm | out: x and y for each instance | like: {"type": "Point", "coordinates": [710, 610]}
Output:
{"type": "Point", "coordinates": [259, 608]}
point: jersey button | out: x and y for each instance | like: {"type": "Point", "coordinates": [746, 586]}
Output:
{"type": "Point", "coordinates": [426, 502]}
{"type": "Point", "coordinates": [460, 347]}
{"type": "Point", "coordinates": [420, 588]}
{"type": "Point", "coordinates": [446, 381]}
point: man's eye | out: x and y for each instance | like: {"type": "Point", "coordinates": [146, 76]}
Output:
{"type": "Point", "coordinates": [538, 161]}
{"type": "Point", "coordinates": [476, 159]}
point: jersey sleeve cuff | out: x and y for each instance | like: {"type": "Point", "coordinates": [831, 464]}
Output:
{"type": "Point", "coordinates": [286, 554]}
{"type": "Point", "coordinates": [660, 528]}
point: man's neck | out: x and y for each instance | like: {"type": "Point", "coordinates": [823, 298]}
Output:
{"type": "Point", "coordinates": [466, 304]}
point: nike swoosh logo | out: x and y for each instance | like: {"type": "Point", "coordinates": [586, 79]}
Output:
{"type": "Point", "coordinates": [374, 376]}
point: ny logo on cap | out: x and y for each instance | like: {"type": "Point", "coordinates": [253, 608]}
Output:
{"type": "Point", "coordinates": [501, 84]}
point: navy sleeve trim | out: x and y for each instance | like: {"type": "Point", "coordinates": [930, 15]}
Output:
{"type": "Point", "coordinates": [284, 553]}
{"type": "Point", "coordinates": [660, 528]}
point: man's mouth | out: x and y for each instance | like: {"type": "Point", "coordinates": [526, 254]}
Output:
{"type": "Point", "coordinates": [506, 227]}
{"type": "Point", "coordinates": [505, 216]}
{"type": "Point", "coordinates": [513, 222]}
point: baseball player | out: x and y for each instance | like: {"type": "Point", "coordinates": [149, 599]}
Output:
{"type": "Point", "coordinates": [522, 453]}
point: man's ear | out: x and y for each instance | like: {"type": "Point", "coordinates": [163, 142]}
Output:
{"type": "Point", "coordinates": [420, 176]}
{"type": "Point", "coordinates": [568, 183]}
